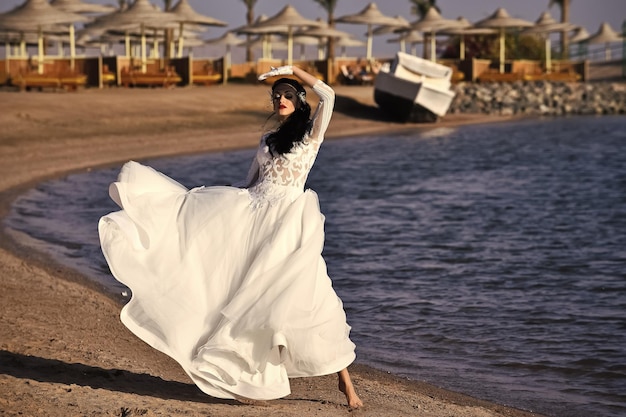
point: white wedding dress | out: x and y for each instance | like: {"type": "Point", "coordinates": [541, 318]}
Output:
{"type": "Point", "coordinates": [228, 281]}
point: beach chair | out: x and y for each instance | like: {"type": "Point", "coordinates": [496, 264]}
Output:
{"type": "Point", "coordinates": [29, 80]}
{"type": "Point", "coordinates": [108, 77]}
{"type": "Point", "coordinates": [72, 81]}
{"type": "Point", "coordinates": [494, 76]}
{"type": "Point", "coordinates": [167, 78]}
{"type": "Point", "coordinates": [207, 76]}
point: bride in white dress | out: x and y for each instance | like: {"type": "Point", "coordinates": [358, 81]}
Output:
{"type": "Point", "coordinates": [230, 281]}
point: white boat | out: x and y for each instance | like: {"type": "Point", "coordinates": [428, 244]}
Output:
{"type": "Point", "coordinates": [414, 89]}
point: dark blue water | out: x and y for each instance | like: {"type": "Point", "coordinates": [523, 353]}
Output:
{"type": "Point", "coordinates": [489, 260]}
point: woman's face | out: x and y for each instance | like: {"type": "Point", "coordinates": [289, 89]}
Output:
{"type": "Point", "coordinates": [284, 98]}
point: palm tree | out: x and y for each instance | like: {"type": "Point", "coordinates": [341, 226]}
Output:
{"type": "Point", "coordinates": [169, 33]}
{"type": "Point", "coordinates": [249, 20]}
{"type": "Point", "coordinates": [564, 6]}
{"type": "Point", "coordinates": [419, 8]}
{"type": "Point", "coordinates": [329, 6]}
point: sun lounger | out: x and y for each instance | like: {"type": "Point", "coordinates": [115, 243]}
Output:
{"type": "Point", "coordinates": [150, 79]}
{"type": "Point", "coordinates": [206, 79]}
{"type": "Point", "coordinates": [71, 81]}
{"type": "Point", "coordinates": [497, 77]}
{"type": "Point", "coordinates": [108, 77]}
{"type": "Point", "coordinates": [66, 80]}
{"type": "Point", "coordinates": [28, 81]}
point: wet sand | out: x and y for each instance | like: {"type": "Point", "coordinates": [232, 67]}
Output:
{"type": "Point", "coordinates": [63, 350]}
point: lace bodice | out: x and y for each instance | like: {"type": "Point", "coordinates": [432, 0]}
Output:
{"type": "Point", "coordinates": [271, 177]}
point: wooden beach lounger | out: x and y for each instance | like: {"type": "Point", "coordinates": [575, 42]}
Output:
{"type": "Point", "coordinates": [150, 79]}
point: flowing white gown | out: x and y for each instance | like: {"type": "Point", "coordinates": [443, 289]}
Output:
{"type": "Point", "coordinates": [228, 281]}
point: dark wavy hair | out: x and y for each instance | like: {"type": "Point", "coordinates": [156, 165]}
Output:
{"type": "Point", "coordinates": [297, 125]}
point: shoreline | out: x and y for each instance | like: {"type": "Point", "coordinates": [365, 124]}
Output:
{"type": "Point", "coordinates": [69, 326]}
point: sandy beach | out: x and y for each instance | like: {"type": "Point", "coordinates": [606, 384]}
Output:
{"type": "Point", "coordinates": [63, 350]}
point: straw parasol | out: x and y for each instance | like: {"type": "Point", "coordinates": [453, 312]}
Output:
{"type": "Point", "coordinates": [186, 14]}
{"type": "Point", "coordinates": [79, 6]}
{"type": "Point", "coordinates": [605, 35]}
{"type": "Point", "coordinates": [544, 26]}
{"type": "Point", "coordinates": [36, 16]}
{"type": "Point", "coordinates": [501, 20]}
{"type": "Point", "coordinates": [431, 23]}
{"type": "Point", "coordinates": [412, 37]}
{"type": "Point", "coordinates": [386, 29]}
{"type": "Point", "coordinates": [140, 14]}
{"type": "Point", "coordinates": [370, 16]}
{"type": "Point", "coordinates": [267, 42]}
{"type": "Point", "coordinates": [322, 32]}
{"type": "Point", "coordinates": [228, 39]}
{"type": "Point", "coordinates": [263, 34]}
{"type": "Point", "coordinates": [466, 28]}
{"type": "Point", "coordinates": [53, 33]}
{"type": "Point", "coordinates": [290, 18]}
{"type": "Point", "coordinates": [344, 43]}
{"type": "Point", "coordinates": [579, 37]}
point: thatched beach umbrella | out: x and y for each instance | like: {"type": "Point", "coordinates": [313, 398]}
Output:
{"type": "Point", "coordinates": [37, 16]}
{"type": "Point", "coordinates": [412, 37]}
{"type": "Point", "coordinates": [465, 28]}
{"type": "Point", "coordinates": [344, 43]}
{"type": "Point", "coordinates": [579, 37]}
{"type": "Point", "coordinates": [81, 7]}
{"type": "Point", "coordinates": [370, 16]}
{"type": "Point", "coordinates": [186, 14]}
{"type": "Point", "coordinates": [281, 42]}
{"type": "Point", "coordinates": [290, 18]}
{"type": "Point", "coordinates": [263, 35]}
{"type": "Point", "coordinates": [431, 23]}
{"type": "Point", "coordinates": [401, 22]}
{"type": "Point", "coordinates": [267, 42]}
{"type": "Point", "coordinates": [501, 20]}
{"type": "Point", "coordinates": [387, 29]}
{"type": "Point", "coordinates": [229, 39]}
{"type": "Point", "coordinates": [140, 14]}
{"type": "Point", "coordinates": [605, 35]}
{"type": "Point", "coordinates": [156, 37]}
{"type": "Point", "coordinates": [322, 32]}
{"type": "Point", "coordinates": [544, 26]}
{"type": "Point", "coordinates": [23, 40]}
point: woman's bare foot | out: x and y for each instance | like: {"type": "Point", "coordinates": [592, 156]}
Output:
{"type": "Point", "coordinates": [345, 386]}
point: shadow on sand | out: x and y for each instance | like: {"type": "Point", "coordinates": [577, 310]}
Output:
{"type": "Point", "coordinates": [357, 110]}
{"type": "Point", "coordinates": [55, 371]}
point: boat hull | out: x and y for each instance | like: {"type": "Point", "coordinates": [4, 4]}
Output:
{"type": "Point", "coordinates": [414, 89]}
{"type": "Point", "coordinates": [409, 101]}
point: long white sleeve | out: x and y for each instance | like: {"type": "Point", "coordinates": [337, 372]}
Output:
{"type": "Point", "coordinates": [323, 112]}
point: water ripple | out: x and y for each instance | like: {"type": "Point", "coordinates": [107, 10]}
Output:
{"type": "Point", "coordinates": [486, 259]}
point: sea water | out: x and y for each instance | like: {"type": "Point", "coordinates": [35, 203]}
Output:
{"type": "Point", "coordinates": [489, 260]}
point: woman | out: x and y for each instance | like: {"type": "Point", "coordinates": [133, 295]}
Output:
{"type": "Point", "coordinates": [230, 281]}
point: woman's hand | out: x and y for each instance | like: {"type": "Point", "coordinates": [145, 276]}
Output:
{"type": "Point", "coordinates": [284, 70]}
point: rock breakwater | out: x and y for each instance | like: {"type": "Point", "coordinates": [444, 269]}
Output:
{"type": "Point", "coordinates": [539, 98]}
